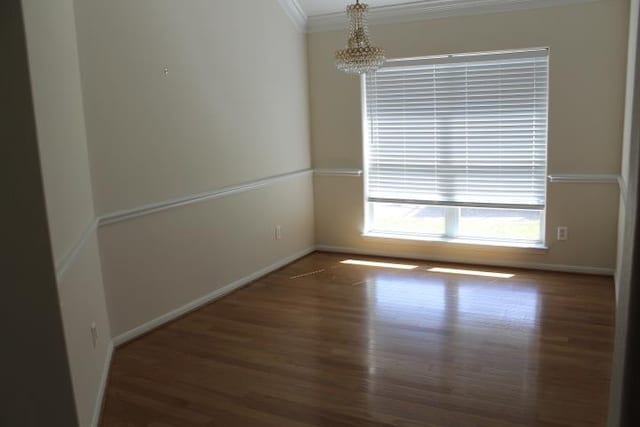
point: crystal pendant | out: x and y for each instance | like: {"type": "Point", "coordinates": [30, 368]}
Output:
{"type": "Point", "coordinates": [359, 56]}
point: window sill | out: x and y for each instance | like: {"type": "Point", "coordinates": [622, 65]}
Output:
{"type": "Point", "coordinates": [460, 241]}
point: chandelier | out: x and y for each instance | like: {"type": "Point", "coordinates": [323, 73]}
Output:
{"type": "Point", "coordinates": [359, 56]}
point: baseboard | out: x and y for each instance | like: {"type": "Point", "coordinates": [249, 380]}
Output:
{"type": "Point", "coordinates": [218, 293]}
{"type": "Point", "coordinates": [102, 386]}
{"type": "Point", "coordinates": [526, 265]}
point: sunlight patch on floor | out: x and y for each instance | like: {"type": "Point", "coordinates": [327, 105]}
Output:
{"type": "Point", "coordinates": [471, 272]}
{"type": "Point", "coordinates": [379, 264]}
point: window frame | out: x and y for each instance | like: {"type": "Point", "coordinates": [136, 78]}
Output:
{"type": "Point", "coordinates": [451, 234]}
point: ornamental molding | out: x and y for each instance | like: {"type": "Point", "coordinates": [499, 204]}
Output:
{"type": "Point", "coordinates": [413, 11]}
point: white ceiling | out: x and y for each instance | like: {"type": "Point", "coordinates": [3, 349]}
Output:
{"type": "Point", "coordinates": [321, 7]}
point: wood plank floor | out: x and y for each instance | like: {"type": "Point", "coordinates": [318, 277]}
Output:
{"type": "Point", "coordinates": [322, 343]}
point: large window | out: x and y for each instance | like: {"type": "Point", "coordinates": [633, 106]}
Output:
{"type": "Point", "coordinates": [456, 147]}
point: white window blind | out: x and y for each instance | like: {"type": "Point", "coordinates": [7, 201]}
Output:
{"type": "Point", "coordinates": [467, 130]}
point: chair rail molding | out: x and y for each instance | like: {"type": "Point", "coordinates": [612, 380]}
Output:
{"type": "Point", "coordinates": [70, 257]}
{"type": "Point", "coordinates": [584, 179]}
{"type": "Point", "coordinates": [196, 198]}
{"type": "Point", "coordinates": [338, 172]}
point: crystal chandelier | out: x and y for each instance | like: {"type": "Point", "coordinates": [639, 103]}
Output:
{"type": "Point", "coordinates": [359, 56]}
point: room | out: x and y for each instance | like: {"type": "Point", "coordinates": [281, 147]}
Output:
{"type": "Point", "coordinates": [320, 213]}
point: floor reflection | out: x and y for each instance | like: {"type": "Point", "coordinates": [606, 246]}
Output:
{"type": "Point", "coordinates": [407, 300]}
{"type": "Point", "coordinates": [499, 304]}
{"type": "Point", "coordinates": [418, 300]}
{"type": "Point", "coordinates": [466, 331]}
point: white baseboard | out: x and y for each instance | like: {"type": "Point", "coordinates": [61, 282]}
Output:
{"type": "Point", "coordinates": [424, 257]}
{"type": "Point", "coordinates": [102, 386]}
{"type": "Point", "coordinates": [218, 293]}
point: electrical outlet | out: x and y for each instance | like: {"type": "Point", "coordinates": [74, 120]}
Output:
{"type": "Point", "coordinates": [563, 233]}
{"type": "Point", "coordinates": [278, 232]}
{"type": "Point", "coordinates": [94, 334]}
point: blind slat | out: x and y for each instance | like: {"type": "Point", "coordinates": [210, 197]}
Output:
{"type": "Point", "coordinates": [470, 131]}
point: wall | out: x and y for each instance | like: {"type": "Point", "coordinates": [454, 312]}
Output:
{"type": "Point", "coordinates": [588, 52]}
{"type": "Point", "coordinates": [626, 138]}
{"type": "Point", "coordinates": [57, 94]}
{"type": "Point", "coordinates": [627, 263]}
{"type": "Point", "coordinates": [231, 109]}
{"type": "Point", "coordinates": [36, 381]}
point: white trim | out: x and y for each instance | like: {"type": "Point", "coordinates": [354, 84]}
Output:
{"type": "Point", "coordinates": [451, 204]}
{"type": "Point", "coordinates": [70, 258]}
{"type": "Point", "coordinates": [218, 293]}
{"type": "Point", "coordinates": [430, 9]}
{"type": "Point", "coordinates": [622, 183]}
{"type": "Point", "coordinates": [536, 52]}
{"type": "Point", "coordinates": [367, 209]}
{"type": "Point", "coordinates": [538, 246]}
{"type": "Point", "coordinates": [584, 179]}
{"type": "Point", "coordinates": [102, 386]}
{"type": "Point", "coordinates": [295, 12]}
{"type": "Point", "coordinates": [338, 172]}
{"type": "Point", "coordinates": [195, 198]}
{"type": "Point", "coordinates": [514, 264]}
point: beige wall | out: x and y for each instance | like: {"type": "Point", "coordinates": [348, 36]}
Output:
{"type": "Point", "coordinates": [57, 94]}
{"type": "Point", "coordinates": [588, 57]}
{"type": "Point", "coordinates": [232, 109]}
{"type": "Point", "coordinates": [161, 262]}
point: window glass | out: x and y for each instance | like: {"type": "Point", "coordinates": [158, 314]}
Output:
{"type": "Point", "coordinates": [500, 224]}
{"type": "Point", "coordinates": [409, 219]}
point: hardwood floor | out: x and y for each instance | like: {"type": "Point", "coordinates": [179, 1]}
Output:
{"type": "Point", "coordinates": [321, 343]}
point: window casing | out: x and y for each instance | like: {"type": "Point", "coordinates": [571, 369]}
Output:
{"type": "Point", "coordinates": [456, 147]}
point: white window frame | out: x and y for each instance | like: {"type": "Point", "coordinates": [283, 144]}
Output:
{"type": "Point", "coordinates": [452, 213]}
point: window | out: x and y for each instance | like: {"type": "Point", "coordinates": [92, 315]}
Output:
{"type": "Point", "coordinates": [456, 147]}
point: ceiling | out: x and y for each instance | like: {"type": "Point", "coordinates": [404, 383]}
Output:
{"type": "Point", "coordinates": [321, 7]}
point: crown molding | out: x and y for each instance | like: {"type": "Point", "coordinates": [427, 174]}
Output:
{"type": "Point", "coordinates": [295, 12]}
{"type": "Point", "coordinates": [430, 9]}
